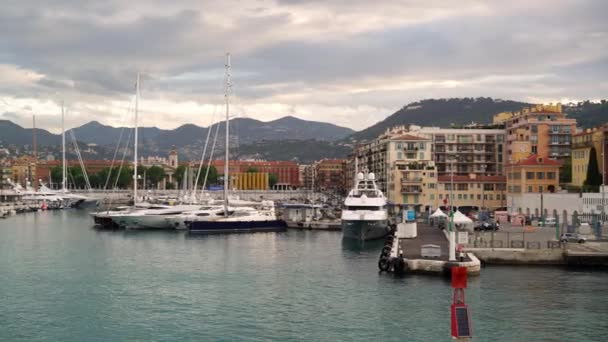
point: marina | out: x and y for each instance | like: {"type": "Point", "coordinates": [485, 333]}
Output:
{"type": "Point", "coordinates": [60, 275]}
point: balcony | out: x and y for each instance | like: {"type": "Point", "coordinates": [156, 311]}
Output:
{"type": "Point", "coordinates": [411, 180]}
{"type": "Point", "coordinates": [411, 190]}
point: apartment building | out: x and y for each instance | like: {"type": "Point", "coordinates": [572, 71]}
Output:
{"type": "Point", "coordinates": [542, 130]}
{"type": "Point", "coordinates": [464, 151]}
{"type": "Point", "coordinates": [582, 144]}
{"type": "Point", "coordinates": [535, 174]}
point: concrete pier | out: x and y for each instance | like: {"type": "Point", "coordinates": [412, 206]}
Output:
{"type": "Point", "coordinates": [411, 249]}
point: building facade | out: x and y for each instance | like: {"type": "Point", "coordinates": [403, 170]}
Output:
{"type": "Point", "coordinates": [329, 176]}
{"type": "Point", "coordinates": [470, 150]}
{"type": "Point", "coordinates": [542, 130]}
{"type": "Point", "coordinates": [287, 172]}
{"type": "Point", "coordinates": [582, 144]}
{"type": "Point", "coordinates": [473, 191]}
{"type": "Point", "coordinates": [535, 174]}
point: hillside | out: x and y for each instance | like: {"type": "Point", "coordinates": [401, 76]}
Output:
{"type": "Point", "coordinates": [11, 133]}
{"type": "Point", "coordinates": [441, 112]}
{"type": "Point", "coordinates": [444, 112]}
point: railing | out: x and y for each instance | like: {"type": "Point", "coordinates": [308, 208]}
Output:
{"type": "Point", "coordinates": [523, 240]}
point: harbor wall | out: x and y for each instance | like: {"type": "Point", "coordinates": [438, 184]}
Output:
{"type": "Point", "coordinates": [519, 256]}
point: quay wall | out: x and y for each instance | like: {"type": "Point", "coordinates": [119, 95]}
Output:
{"type": "Point", "coordinates": [519, 256]}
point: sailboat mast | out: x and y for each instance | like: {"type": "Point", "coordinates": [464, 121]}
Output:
{"type": "Point", "coordinates": [135, 143]}
{"type": "Point", "coordinates": [63, 162]}
{"type": "Point", "coordinates": [227, 152]}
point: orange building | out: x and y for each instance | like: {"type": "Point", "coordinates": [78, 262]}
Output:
{"type": "Point", "coordinates": [542, 130]}
{"type": "Point", "coordinates": [329, 175]}
{"type": "Point", "coordinates": [535, 174]}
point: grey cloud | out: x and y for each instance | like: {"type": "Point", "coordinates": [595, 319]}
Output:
{"type": "Point", "coordinates": [93, 50]}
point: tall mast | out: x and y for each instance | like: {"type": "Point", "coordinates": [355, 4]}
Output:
{"type": "Point", "coordinates": [135, 143]}
{"type": "Point", "coordinates": [63, 162]}
{"type": "Point", "coordinates": [227, 154]}
{"type": "Point", "coordinates": [32, 173]}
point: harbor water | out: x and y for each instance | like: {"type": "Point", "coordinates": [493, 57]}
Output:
{"type": "Point", "coordinates": [63, 280]}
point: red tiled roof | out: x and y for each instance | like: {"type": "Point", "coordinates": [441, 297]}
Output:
{"type": "Point", "coordinates": [408, 137]}
{"type": "Point", "coordinates": [468, 179]}
{"type": "Point", "coordinates": [535, 160]}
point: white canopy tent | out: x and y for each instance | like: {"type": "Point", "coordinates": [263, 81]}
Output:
{"type": "Point", "coordinates": [438, 213]}
{"type": "Point", "coordinates": [462, 222]}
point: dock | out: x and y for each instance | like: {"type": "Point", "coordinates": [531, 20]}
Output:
{"type": "Point", "coordinates": [416, 252]}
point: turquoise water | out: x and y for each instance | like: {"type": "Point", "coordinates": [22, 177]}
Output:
{"type": "Point", "coordinates": [62, 280]}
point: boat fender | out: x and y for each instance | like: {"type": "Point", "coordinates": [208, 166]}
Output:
{"type": "Point", "coordinates": [383, 264]}
{"type": "Point", "coordinates": [399, 265]}
{"type": "Point", "coordinates": [387, 249]}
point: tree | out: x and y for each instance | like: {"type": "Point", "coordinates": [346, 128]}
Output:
{"type": "Point", "coordinates": [273, 179]}
{"type": "Point", "coordinates": [565, 172]}
{"type": "Point", "coordinates": [154, 175]}
{"type": "Point", "coordinates": [252, 169]}
{"type": "Point", "coordinates": [594, 178]}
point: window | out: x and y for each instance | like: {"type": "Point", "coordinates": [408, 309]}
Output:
{"type": "Point", "coordinates": [485, 197]}
{"type": "Point", "coordinates": [534, 149]}
{"type": "Point", "coordinates": [534, 129]}
{"type": "Point", "coordinates": [451, 137]}
{"type": "Point", "coordinates": [529, 175]}
{"type": "Point", "coordinates": [491, 197]}
{"type": "Point", "coordinates": [399, 146]}
{"type": "Point", "coordinates": [459, 196]}
{"type": "Point", "coordinates": [529, 188]}
{"type": "Point", "coordinates": [550, 175]}
{"type": "Point", "coordinates": [432, 196]}
{"type": "Point", "coordinates": [422, 146]}
{"type": "Point", "coordinates": [540, 175]}
{"type": "Point", "coordinates": [399, 155]}
{"type": "Point", "coordinates": [440, 196]}
{"type": "Point", "coordinates": [431, 185]}
{"type": "Point", "coordinates": [421, 155]}
{"type": "Point", "coordinates": [478, 196]}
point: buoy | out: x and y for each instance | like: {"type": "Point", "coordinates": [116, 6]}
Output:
{"type": "Point", "coordinates": [44, 206]}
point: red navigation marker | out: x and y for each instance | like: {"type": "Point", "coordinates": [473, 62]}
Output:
{"type": "Point", "coordinates": [460, 317]}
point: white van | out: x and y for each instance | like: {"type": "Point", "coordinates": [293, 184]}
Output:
{"type": "Point", "coordinates": [549, 222]}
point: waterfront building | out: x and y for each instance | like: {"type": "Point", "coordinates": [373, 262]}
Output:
{"type": "Point", "coordinates": [535, 174]}
{"type": "Point", "coordinates": [474, 149]}
{"type": "Point", "coordinates": [542, 130]}
{"type": "Point", "coordinates": [286, 172]}
{"type": "Point", "coordinates": [581, 150]}
{"type": "Point", "coordinates": [6, 174]}
{"type": "Point", "coordinates": [249, 181]}
{"type": "Point", "coordinates": [474, 191]}
{"type": "Point", "coordinates": [329, 176]}
{"type": "Point", "coordinates": [24, 170]}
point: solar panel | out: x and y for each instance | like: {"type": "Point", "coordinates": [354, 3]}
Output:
{"type": "Point", "coordinates": [462, 322]}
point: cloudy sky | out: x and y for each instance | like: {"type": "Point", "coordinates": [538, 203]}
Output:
{"type": "Point", "coordinates": [349, 62]}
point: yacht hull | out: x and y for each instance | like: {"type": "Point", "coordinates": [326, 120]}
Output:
{"type": "Point", "coordinates": [364, 230]}
{"type": "Point", "coordinates": [210, 227]}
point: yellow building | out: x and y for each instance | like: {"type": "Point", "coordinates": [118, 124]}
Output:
{"type": "Point", "coordinates": [468, 191]}
{"type": "Point", "coordinates": [534, 174]}
{"type": "Point", "coordinates": [24, 170]}
{"type": "Point", "coordinates": [249, 181]}
{"type": "Point", "coordinates": [581, 151]}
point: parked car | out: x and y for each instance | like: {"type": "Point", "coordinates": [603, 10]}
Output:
{"type": "Point", "coordinates": [483, 226]}
{"type": "Point", "coordinates": [549, 222]}
{"type": "Point", "coordinates": [572, 237]}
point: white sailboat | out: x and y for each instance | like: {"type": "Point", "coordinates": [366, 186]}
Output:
{"type": "Point", "coordinates": [242, 219]}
